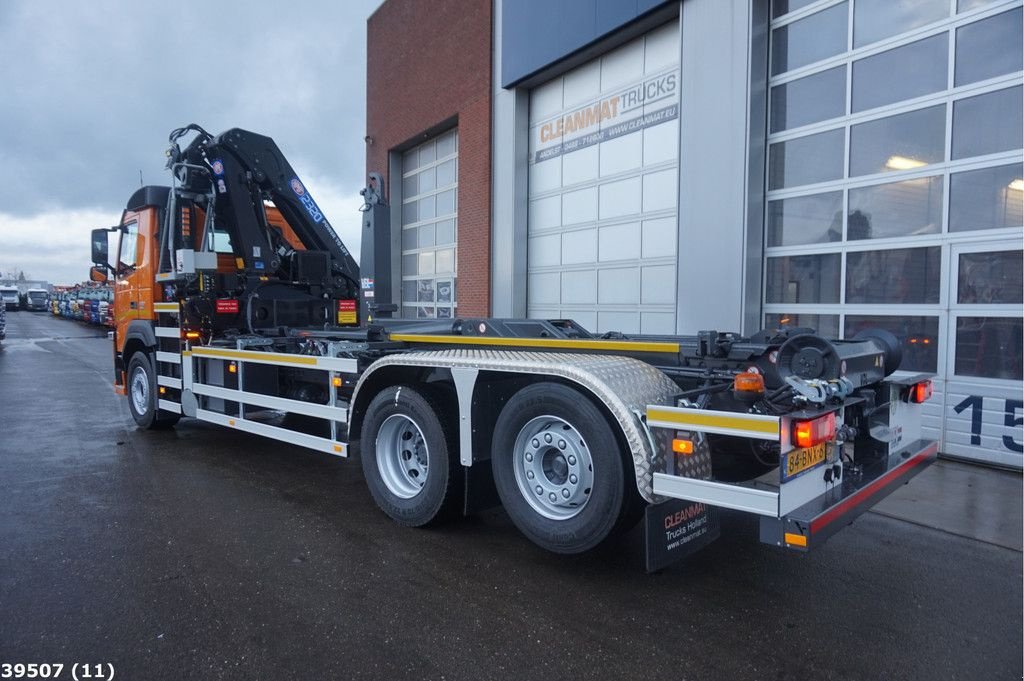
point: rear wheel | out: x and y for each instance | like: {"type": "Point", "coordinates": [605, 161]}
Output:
{"type": "Point", "coordinates": [142, 394]}
{"type": "Point", "coordinates": [559, 469]}
{"type": "Point", "coordinates": [407, 458]}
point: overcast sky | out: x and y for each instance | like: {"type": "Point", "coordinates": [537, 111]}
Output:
{"type": "Point", "coordinates": [91, 90]}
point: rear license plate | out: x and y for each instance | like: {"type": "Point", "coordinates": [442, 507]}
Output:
{"type": "Point", "coordinates": [802, 460]}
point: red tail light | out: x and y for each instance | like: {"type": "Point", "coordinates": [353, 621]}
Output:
{"type": "Point", "coordinates": [921, 392]}
{"type": "Point", "coordinates": [814, 431]}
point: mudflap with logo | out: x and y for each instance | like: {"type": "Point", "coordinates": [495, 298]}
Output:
{"type": "Point", "coordinates": [675, 529]}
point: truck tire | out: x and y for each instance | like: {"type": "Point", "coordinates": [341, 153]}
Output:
{"type": "Point", "coordinates": [559, 470]}
{"type": "Point", "coordinates": [408, 456]}
{"type": "Point", "coordinates": [142, 394]}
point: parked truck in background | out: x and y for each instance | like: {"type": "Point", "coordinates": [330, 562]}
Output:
{"type": "Point", "coordinates": [37, 299]}
{"type": "Point", "coordinates": [9, 295]}
{"type": "Point", "coordinates": [236, 303]}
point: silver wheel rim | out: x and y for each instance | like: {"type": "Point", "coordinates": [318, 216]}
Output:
{"type": "Point", "coordinates": [553, 467]}
{"type": "Point", "coordinates": [402, 456]}
{"type": "Point", "coordinates": [140, 390]}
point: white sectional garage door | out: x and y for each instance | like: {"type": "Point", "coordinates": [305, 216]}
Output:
{"type": "Point", "coordinates": [603, 189]}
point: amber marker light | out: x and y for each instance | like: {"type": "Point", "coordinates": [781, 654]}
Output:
{"type": "Point", "coordinates": [681, 446]}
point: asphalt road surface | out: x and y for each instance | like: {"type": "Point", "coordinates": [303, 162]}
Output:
{"type": "Point", "coordinates": [202, 553]}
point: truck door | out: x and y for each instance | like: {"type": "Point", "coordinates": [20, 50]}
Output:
{"type": "Point", "coordinates": [126, 280]}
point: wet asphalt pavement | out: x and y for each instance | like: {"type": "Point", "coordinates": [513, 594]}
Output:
{"type": "Point", "coordinates": [202, 553]}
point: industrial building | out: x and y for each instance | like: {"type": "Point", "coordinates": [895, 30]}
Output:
{"type": "Point", "coordinates": [659, 167]}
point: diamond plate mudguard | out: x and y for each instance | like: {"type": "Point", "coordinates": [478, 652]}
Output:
{"type": "Point", "coordinates": [625, 385]}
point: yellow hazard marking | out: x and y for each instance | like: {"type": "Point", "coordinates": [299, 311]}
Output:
{"type": "Point", "coordinates": [554, 343]}
{"type": "Point", "coordinates": [695, 420]}
{"type": "Point", "coordinates": [165, 307]}
{"type": "Point", "coordinates": [252, 354]}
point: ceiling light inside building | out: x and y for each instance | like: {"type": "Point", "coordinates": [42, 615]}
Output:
{"type": "Point", "coordinates": [903, 163]}
{"type": "Point", "coordinates": [1017, 184]}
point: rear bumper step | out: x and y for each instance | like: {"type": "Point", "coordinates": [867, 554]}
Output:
{"type": "Point", "coordinates": [810, 525]}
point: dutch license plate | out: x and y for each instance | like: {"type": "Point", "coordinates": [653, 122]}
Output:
{"type": "Point", "coordinates": [801, 460]}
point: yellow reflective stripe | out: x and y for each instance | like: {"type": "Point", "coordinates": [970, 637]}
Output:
{"type": "Point", "coordinates": [695, 420]}
{"type": "Point", "coordinates": [555, 343]}
{"type": "Point", "coordinates": [165, 307]}
{"type": "Point", "coordinates": [252, 354]}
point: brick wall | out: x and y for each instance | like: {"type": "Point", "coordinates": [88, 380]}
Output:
{"type": "Point", "coordinates": [427, 63]}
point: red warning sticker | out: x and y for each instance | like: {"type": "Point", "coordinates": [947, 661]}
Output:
{"type": "Point", "coordinates": [227, 306]}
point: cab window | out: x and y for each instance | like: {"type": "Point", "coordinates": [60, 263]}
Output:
{"type": "Point", "coordinates": [127, 252]}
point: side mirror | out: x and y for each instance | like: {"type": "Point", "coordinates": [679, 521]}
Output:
{"type": "Point", "coordinates": [98, 273]}
{"type": "Point", "coordinates": [100, 255]}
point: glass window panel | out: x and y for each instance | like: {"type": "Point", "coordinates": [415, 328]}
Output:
{"type": "Point", "coordinates": [425, 263]}
{"type": "Point", "coordinates": [877, 19]}
{"type": "Point", "coordinates": [408, 311]}
{"type": "Point", "coordinates": [409, 212]}
{"type": "Point", "coordinates": [991, 278]}
{"type": "Point", "coordinates": [900, 142]}
{"type": "Point", "coordinates": [426, 236]}
{"type": "Point", "coordinates": [446, 145]}
{"type": "Point", "coordinates": [964, 5]}
{"type": "Point", "coordinates": [408, 290]}
{"type": "Point", "coordinates": [780, 7]}
{"type": "Point", "coordinates": [425, 311]}
{"type": "Point", "coordinates": [903, 73]}
{"type": "Point", "coordinates": [444, 312]}
{"type": "Point", "coordinates": [806, 220]}
{"type": "Point", "coordinates": [446, 260]}
{"type": "Point", "coordinates": [990, 47]}
{"type": "Point", "coordinates": [990, 198]}
{"type": "Point", "coordinates": [410, 160]}
{"type": "Point", "coordinates": [409, 239]}
{"type": "Point", "coordinates": [808, 40]}
{"type": "Point", "coordinates": [826, 325]}
{"type": "Point", "coordinates": [988, 123]}
{"type": "Point", "coordinates": [803, 279]}
{"type": "Point", "coordinates": [446, 173]}
{"type": "Point", "coordinates": [989, 347]}
{"type": "Point", "coordinates": [898, 276]}
{"type": "Point", "coordinates": [444, 291]}
{"type": "Point", "coordinates": [446, 202]}
{"type": "Point", "coordinates": [426, 208]}
{"type": "Point", "coordinates": [805, 160]}
{"type": "Point", "coordinates": [904, 208]}
{"type": "Point", "coordinates": [427, 153]}
{"type": "Point", "coordinates": [426, 180]}
{"type": "Point", "coordinates": [809, 100]}
{"type": "Point", "coordinates": [425, 290]}
{"type": "Point", "coordinates": [410, 186]}
{"type": "Point", "coordinates": [445, 232]}
{"type": "Point", "coordinates": [408, 265]}
{"type": "Point", "coordinates": [918, 335]}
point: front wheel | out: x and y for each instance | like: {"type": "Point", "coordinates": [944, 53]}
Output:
{"type": "Point", "coordinates": [558, 468]}
{"type": "Point", "coordinates": [142, 394]}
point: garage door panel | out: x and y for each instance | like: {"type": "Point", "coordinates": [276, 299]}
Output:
{"type": "Point", "coordinates": [619, 242]}
{"type": "Point", "coordinates": [619, 286]}
{"type": "Point", "coordinates": [580, 166]}
{"type": "Point", "coordinates": [622, 154]}
{"type": "Point", "coordinates": [579, 206]}
{"type": "Point", "coordinates": [579, 288]}
{"type": "Point", "coordinates": [615, 182]}
{"type": "Point", "coordinates": [579, 247]}
{"type": "Point", "coordinates": [620, 198]}
{"type": "Point", "coordinates": [581, 85]}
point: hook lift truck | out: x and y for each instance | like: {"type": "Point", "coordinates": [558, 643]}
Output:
{"type": "Point", "coordinates": [238, 304]}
